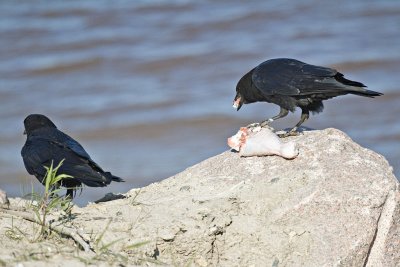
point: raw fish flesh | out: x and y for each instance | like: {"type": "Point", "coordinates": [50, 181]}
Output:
{"type": "Point", "coordinates": [259, 141]}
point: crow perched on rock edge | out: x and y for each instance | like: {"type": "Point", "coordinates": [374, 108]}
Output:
{"type": "Point", "coordinates": [290, 83]}
{"type": "Point", "coordinates": [45, 143]}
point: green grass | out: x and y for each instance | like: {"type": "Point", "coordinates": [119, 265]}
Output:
{"type": "Point", "coordinates": [43, 204]}
{"type": "Point", "coordinates": [49, 208]}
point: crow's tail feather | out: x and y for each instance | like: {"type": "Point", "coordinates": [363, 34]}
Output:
{"type": "Point", "coordinates": [113, 178]}
{"type": "Point", "coordinates": [357, 88]}
{"type": "Point", "coordinates": [339, 77]}
{"type": "Point", "coordinates": [365, 92]}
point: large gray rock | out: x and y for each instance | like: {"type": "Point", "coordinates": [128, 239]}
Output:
{"type": "Point", "coordinates": [336, 204]}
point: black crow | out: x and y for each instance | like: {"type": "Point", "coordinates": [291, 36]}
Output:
{"type": "Point", "coordinates": [290, 83]}
{"type": "Point", "coordinates": [46, 144]}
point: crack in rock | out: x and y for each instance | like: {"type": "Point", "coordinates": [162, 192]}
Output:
{"type": "Point", "coordinates": [376, 232]}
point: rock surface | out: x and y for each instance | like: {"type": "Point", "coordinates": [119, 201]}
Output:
{"type": "Point", "coordinates": [336, 204]}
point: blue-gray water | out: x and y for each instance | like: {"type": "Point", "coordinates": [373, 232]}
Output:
{"type": "Point", "coordinates": [147, 86]}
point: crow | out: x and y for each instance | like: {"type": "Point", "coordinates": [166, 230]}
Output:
{"type": "Point", "coordinates": [291, 83]}
{"type": "Point", "coordinates": [45, 144]}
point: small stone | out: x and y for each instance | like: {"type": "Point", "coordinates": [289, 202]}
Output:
{"type": "Point", "coordinates": [167, 235]}
{"type": "Point", "coordinates": [4, 199]}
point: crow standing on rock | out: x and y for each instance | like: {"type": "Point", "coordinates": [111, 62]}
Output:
{"type": "Point", "coordinates": [45, 143]}
{"type": "Point", "coordinates": [290, 83]}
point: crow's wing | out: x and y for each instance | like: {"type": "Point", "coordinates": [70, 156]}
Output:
{"type": "Point", "coordinates": [63, 140]}
{"type": "Point", "coordinates": [68, 143]}
{"type": "Point", "coordinates": [292, 77]}
{"type": "Point", "coordinates": [39, 152]}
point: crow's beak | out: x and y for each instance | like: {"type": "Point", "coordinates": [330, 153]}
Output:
{"type": "Point", "coordinates": [24, 132]}
{"type": "Point", "coordinates": [237, 104]}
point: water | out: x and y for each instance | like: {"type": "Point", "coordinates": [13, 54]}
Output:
{"type": "Point", "coordinates": [147, 86]}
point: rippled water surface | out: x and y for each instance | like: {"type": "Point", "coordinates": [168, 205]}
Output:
{"type": "Point", "coordinates": [147, 86]}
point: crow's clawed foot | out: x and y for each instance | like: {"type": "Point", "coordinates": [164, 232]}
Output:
{"type": "Point", "coordinates": [253, 125]}
{"type": "Point", "coordinates": [266, 123]}
{"type": "Point", "coordinates": [287, 134]}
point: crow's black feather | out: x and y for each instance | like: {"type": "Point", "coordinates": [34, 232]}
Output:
{"type": "Point", "coordinates": [46, 144]}
{"type": "Point", "coordinates": [290, 83]}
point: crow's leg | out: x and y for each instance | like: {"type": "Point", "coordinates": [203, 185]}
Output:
{"type": "Point", "coordinates": [282, 113]}
{"type": "Point", "coordinates": [70, 193]}
{"type": "Point", "coordinates": [304, 116]}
